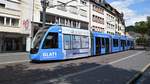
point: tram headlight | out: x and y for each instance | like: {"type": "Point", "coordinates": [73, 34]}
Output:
{"type": "Point", "coordinates": [33, 51]}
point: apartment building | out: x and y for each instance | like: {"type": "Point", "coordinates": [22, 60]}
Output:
{"type": "Point", "coordinates": [74, 14]}
{"type": "Point", "coordinates": [14, 25]}
{"type": "Point", "coordinates": [97, 16]}
{"type": "Point", "coordinates": [105, 19]}
{"type": "Point", "coordinates": [114, 21]}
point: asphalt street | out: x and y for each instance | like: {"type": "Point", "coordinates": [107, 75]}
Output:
{"type": "Point", "coordinates": [116, 68]}
{"type": "Point", "coordinates": [144, 78]}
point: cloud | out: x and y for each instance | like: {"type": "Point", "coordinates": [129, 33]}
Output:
{"type": "Point", "coordinates": [131, 16]}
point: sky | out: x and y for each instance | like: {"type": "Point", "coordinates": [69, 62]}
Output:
{"type": "Point", "coordinates": [134, 10]}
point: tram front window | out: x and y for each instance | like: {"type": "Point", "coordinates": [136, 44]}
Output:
{"type": "Point", "coordinates": [51, 41]}
{"type": "Point", "coordinates": [38, 38]}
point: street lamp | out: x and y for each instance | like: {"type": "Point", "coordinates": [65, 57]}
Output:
{"type": "Point", "coordinates": [44, 4]}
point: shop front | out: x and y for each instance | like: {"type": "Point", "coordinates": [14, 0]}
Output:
{"type": "Point", "coordinates": [12, 42]}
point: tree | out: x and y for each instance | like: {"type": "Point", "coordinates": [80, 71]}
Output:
{"type": "Point", "coordinates": [130, 28]}
{"type": "Point", "coordinates": [141, 27]}
{"type": "Point", "coordinates": [148, 24]}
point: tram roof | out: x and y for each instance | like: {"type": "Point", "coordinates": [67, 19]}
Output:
{"type": "Point", "coordinates": [99, 34]}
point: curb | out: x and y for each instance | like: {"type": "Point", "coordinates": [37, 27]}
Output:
{"type": "Point", "coordinates": [136, 76]}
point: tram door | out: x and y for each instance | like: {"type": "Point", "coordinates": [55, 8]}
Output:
{"type": "Point", "coordinates": [107, 45]}
{"type": "Point", "coordinates": [98, 46]}
{"type": "Point", "coordinates": [123, 44]}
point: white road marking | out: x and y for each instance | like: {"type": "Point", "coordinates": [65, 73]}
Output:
{"type": "Point", "coordinates": [14, 62]}
{"type": "Point", "coordinates": [113, 62]}
{"type": "Point", "coordinates": [87, 70]}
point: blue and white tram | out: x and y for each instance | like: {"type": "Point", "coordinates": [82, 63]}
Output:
{"type": "Point", "coordinates": [123, 43]}
{"type": "Point", "coordinates": [101, 43]}
{"type": "Point", "coordinates": [130, 43]}
{"type": "Point", "coordinates": [59, 43]}
{"type": "Point", "coordinates": [115, 43]}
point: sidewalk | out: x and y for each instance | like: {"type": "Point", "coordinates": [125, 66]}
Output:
{"type": "Point", "coordinates": [13, 53]}
{"type": "Point", "coordinates": [13, 57]}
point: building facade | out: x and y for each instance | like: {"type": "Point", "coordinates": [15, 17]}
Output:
{"type": "Point", "coordinates": [114, 21]}
{"type": "Point", "coordinates": [14, 25]}
{"type": "Point", "coordinates": [97, 16]}
{"type": "Point", "coordinates": [105, 19]}
{"type": "Point", "coordinates": [21, 19]}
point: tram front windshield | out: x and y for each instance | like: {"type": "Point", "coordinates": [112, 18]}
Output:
{"type": "Point", "coordinates": [38, 38]}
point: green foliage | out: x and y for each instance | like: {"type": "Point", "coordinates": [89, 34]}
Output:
{"type": "Point", "coordinates": [141, 41]}
{"type": "Point", "coordinates": [142, 27]}
{"type": "Point", "coordinates": [148, 25]}
{"type": "Point", "coordinates": [130, 28]}
{"type": "Point", "coordinates": [148, 22]}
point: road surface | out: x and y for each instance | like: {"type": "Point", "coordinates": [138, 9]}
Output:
{"type": "Point", "coordinates": [116, 68]}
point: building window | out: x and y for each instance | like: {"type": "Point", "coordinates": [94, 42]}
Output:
{"type": "Point", "coordinates": [83, 12]}
{"type": "Point", "coordinates": [62, 21]}
{"type": "Point", "coordinates": [51, 41]}
{"type": "Point", "coordinates": [50, 19]}
{"type": "Point", "coordinates": [61, 6]}
{"type": "Point", "coordinates": [98, 19]}
{"type": "Point", "coordinates": [73, 9]}
{"type": "Point", "coordinates": [99, 29]}
{"type": "Point", "coordinates": [74, 24]}
{"type": "Point", "coordinates": [98, 9]}
{"type": "Point", "coordinates": [8, 21]}
{"type": "Point", "coordinates": [83, 25]}
{"type": "Point", "coordinates": [1, 20]}
{"type": "Point", "coordinates": [83, 2]}
{"type": "Point", "coordinates": [14, 0]}
{"type": "Point", "coordinates": [65, 21]}
{"type": "Point", "coordinates": [97, 1]}
{"type": "Point", "coordinates": [14, 22]}
{"type": "Point", "coordinates": [2, 5]}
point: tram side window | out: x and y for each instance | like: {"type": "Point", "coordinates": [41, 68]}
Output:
{"type": "Point", "coordinates": [121, 42]}
{"type": "Point", "coordinates": [76, 42]}
{"type": "Point", "coordinates": [115, 42]}
{"type": "Point", "coordinates": [132, 43]}
{"type": "Point", "coordinates": [51, 41]}
{"type": "Point", "coordinates": [67, 41]}
{"type": "Point", "coordinates": [128, 42]}
{"type": "Point", "coordinates": [103, 42]}
{"type": "Point", "coordinates": [84, 41]}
